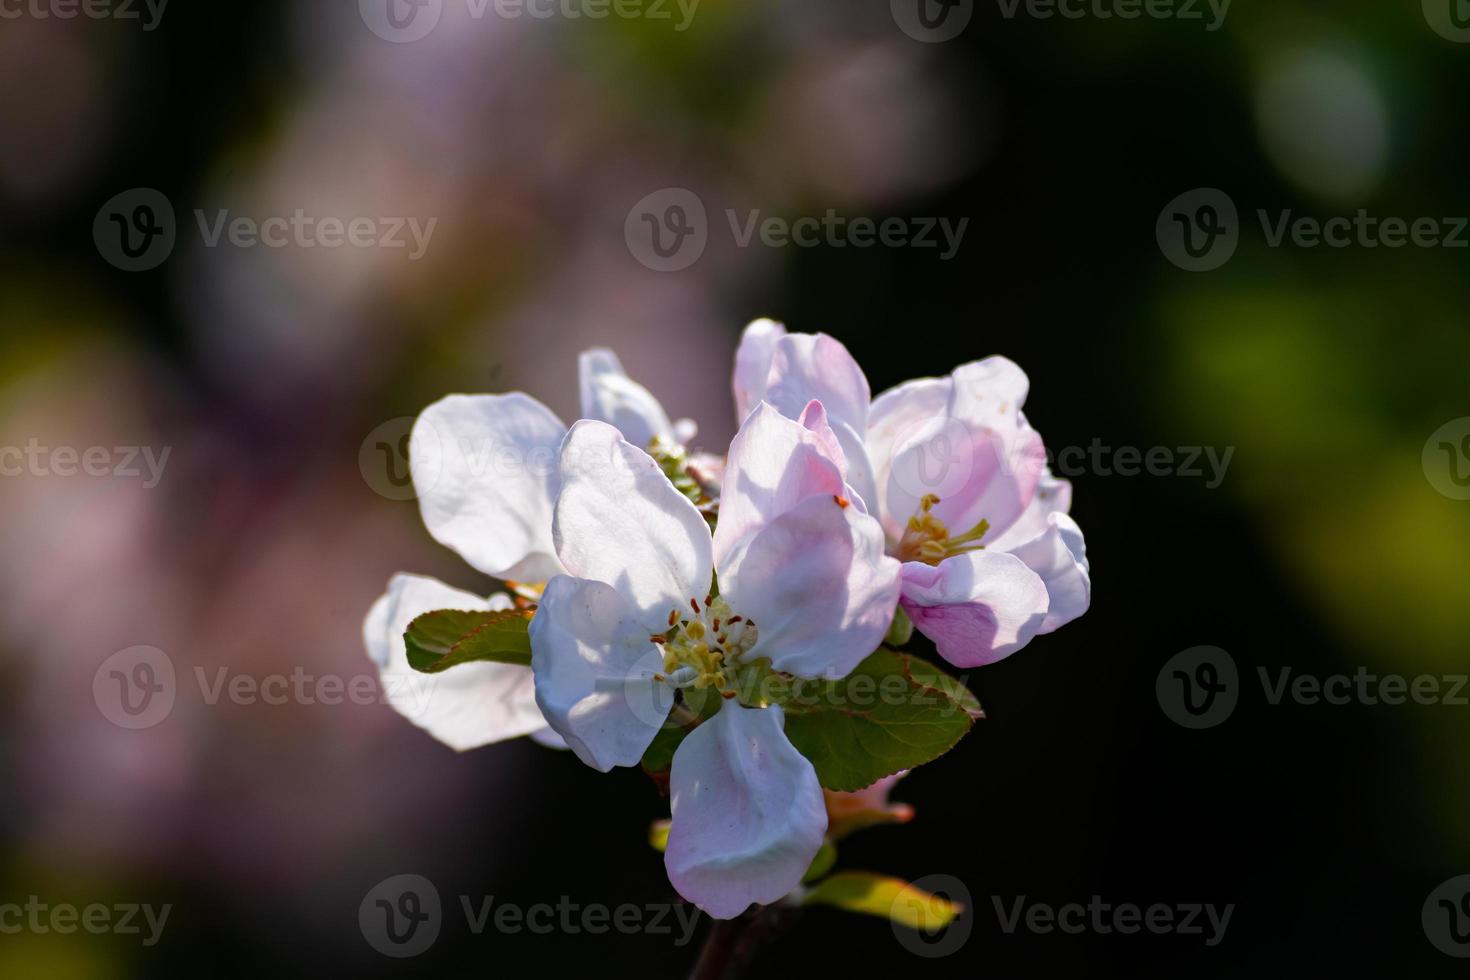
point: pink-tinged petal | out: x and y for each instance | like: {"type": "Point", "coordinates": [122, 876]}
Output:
{"type": "Point", "coordinates": [469, 706]}
{"type": "Point", "coordinates": [753, 364]}
{"type": "Point", "coordinates": [775, 463]}
{"type": "Point", "coordinates": [850, 812]}
{"type": "Point", "coordinates": [748, 816]}
{"type": "Point", "coordinates": [595, 673]}
{"type": "Point", "coordinates": [818, 587]}
{"type": "Point", "coordinates": [609, 395]}
{"type": "Point", "coordinates": [858, 471]}
{"type": "Point", "coordinates": [1059, 556]}
{"type": "Point", "coordinates": [990, 390]}
{"type": "Point", "coordinates": [977, 474]}
{"type": "Point", "coordinates": [978, 607]}
{"type": "Point", "coordinates": [484, 469]}
{"type": "Point", "coordinates": [1053, 496]}
{"type": "Point", "coordinates": [813, 418]}
{"type": "Point", "coordinates": [962, 439]}
{"type": "Point", "coordinates": [840, 443]}
{"type": "Point", "coordinates": [899, 418]}
{"type": "Point", "coordinates": [808, 366]}
{"type": "Point", "coordinates": [619, 520]}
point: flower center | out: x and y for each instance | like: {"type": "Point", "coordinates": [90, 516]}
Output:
{"type": "Point", "coordinates": [926, 538]}
{"type": "Point", "coordinates": [704, 645]}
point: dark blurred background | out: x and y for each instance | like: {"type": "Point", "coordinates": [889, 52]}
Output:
{"type": "Point", "coordinates": [1328, 545]}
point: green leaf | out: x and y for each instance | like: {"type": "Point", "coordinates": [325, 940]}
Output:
{"type": "Point", "coordinates": [447, 638]}
{"type": "Point", "coordinates": [887, 898]}
{"type": "Point", "coordinates": [893, 712]}
{"type": "Point", "coordinates": [694, 706]}
{"type": "Point", "coordinates": [821, 864]}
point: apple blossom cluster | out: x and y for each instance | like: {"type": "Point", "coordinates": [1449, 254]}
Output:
{"type": "Point", "coordinates": [709, 616]}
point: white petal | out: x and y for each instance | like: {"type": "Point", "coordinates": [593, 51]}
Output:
{"type": "Point", "coordinates": [609, 395]}
{"type": "Point", "coordinates": [484, 469]}
{"type": "Point", "coordinates": [748, 816]}
{"type": "Point", "coordinates": [978, 607]}
{"type": "Point", "coordinates": [774, 464]}
{"type": "Point", "coordinates": [468, 706]}
{"type": "Point", "coordinates": [619, 520]}
{"type": "Point", "coordinates": [594, 666]}
{"type": "Point", "coordinates": [808, 366]}
{"type": "Point", "coordinates": [1059, 556]}
{"type": "Point", "coordinates": [899, 417]}
{"type": "Point", "coordinates": [992, 389]}
{"type": "Point", "coordinates": [817, 586]}
{"type": "Point", "coordinates": [753, 364]}
{"type": "Point", "coordinates": [549, 738]}
{"type": "Point", "coordinates": [1053, 496]}
{"type": "Point", "coordinates": [962, 439]}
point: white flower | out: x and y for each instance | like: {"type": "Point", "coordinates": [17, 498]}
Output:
{"type": "Point", "coordinates": [485, 472]}
{"type": "Point", "coordinates": [803, 581]}
{"type": "Point", "coordinates": [958, 478]}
